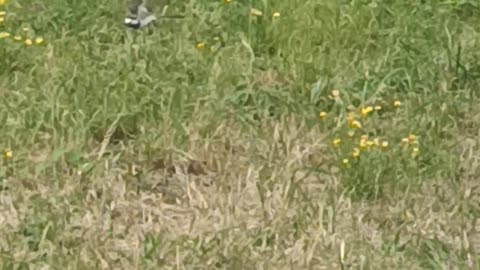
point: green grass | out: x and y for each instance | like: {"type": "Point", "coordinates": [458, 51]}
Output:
{"type": "Point", "coordinates": [136, 150]}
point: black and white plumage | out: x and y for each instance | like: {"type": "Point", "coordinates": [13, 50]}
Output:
{"type": "Point", "coordinates": [138, 15]}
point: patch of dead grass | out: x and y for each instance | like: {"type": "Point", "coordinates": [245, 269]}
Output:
{"type": "Point", "coordinates": [257, 203]}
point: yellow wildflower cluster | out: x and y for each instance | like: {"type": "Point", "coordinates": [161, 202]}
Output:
{"type": "Point", "coordinates": [411, 141]}
{"type": "Point", "coordinates": [357, 127]}
{"type": "Point", "coordinates": [27, 37]}
{"type": "Point", "coordinates": [363, 144]}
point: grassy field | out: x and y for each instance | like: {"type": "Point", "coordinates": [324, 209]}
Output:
{"type": "Point", "coordinates": [294, 134]}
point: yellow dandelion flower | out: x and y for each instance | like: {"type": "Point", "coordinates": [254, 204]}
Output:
{"type": "Point", "coordinates": [3, 2]}
{"type": "Point", "coordinates": [322, 115]}
{"type": "Point", "coordinates": [200, 45]}
{"type": "Point", "coordinates": [412, 138]}
{"type": "Point", "coordinates": [345, 161]}
{"type": "Point", "coordinates": [351, 133]}
{"type": "Point", "coordinates": [384, 144]}
{"type": "Point", "coordinates": [38, 40]}
{"type": "Point", "coordinates": [356, 124]}
{"type": "Point", "coordinates": [25, 29]}
{"type": "Point", "coordinates": [4, 35]}
{"type": "Point", "coordinates": [355, 152]}
{"type": "Point", "coordinates": [397, 103]}
{"type": "Point", "coordinates": [365, 111]}
{"type": "Point", "coordinates": [276, 14]}
{"type": "Point", "coordinates": [7, 154]}
{"type": "Point", "coordinates": [28, 42]}
{"type": "Point", "coordinates": [3, 13]}
{"type": "Point", "coordinates": [256, 12]}
{"type": "Point", "coordinates": [17, 38]}
{"type": "Point", "coordinates": [362, 144]}
{"type": "Point", "coordinates": [378, 108]}
{"type": "Point", "coordinates": [336, 142]}
{"type": "Point", "coordinates": [363, 141]}
{"type": "Point", "coordinates": [415, 152]}
{"type": "Point", "coordinates": [370, 144]}
{"type": "Point", "coordinates": [2, 19]}
{"type": "Point", "coordinates": [335, 93]}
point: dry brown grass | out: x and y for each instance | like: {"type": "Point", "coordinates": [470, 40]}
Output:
{"type": "Point", "coordinates": [255, 204]}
